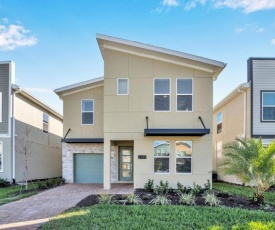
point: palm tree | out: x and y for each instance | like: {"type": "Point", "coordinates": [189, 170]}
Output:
{"type": "Point", "coordinates": [252, 163]}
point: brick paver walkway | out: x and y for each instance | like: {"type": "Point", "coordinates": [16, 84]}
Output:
{"type": "Point", "coordinates": [31, 212]}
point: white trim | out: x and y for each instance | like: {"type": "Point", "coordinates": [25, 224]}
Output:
{"type": "Point", "coordinates": [160, 50]}
{"type": "Point", "coordinates": [93, 111]}
{"type": "Point", "coordinates": [186, 111]}
{"type": "Point", "coordinates": [1, 107]}
{"type": "Point", "coordinates": [122, 94]}
{"type": "Point", "coordinates": [183, 157]}
{"type": "Point", "coordinates": [169, 158]}
{"type": "Point", "coordinates": [161, 94]}
{"type": "Point", "coordinates": [2, 157]}
{"type": "Point", "coordinates": [270, 106]}
{"type": "Point", "coordinates": [79, 90]}
{"type": "Point", "coordinates": [80, 84]}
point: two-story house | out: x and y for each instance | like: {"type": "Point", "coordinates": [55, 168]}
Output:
{"type": "Point", "coordinates": [248, 111]}
{"type": "Point", "coordinates": [149, 117]}
{"type": "Point", "coordinates": [22, 113]}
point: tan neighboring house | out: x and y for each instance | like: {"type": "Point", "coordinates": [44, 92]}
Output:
{"type": "Point", "coordinates": [149, 117]}
{"type": "Point", "coordinates": [19, 111]}
{"type": "Point", "coordinates": [248, 111]}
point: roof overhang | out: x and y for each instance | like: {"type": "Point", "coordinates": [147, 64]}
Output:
{"type": "Point", "coordinates": [78, 87]}
{"type": "Point", "coordinates": [83, 140]}
{"type": "Point", "coordinates": [160, 54]}
{"type": "Point", "coordinates": [176, 132]}
{"type": "Point", "coordinates": [35, 100]}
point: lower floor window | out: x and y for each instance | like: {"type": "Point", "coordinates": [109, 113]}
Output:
{"type": "Point", "coordinates": [183, 156]}
{"type": "Point", "coordinates": [161, 156]}
{"type": "Point", "coordinates": [1, 156]}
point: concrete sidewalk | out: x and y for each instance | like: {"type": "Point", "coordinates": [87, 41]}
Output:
{"type": "Point", "coordinates": [31, 212]}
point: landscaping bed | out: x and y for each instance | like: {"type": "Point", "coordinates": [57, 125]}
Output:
{"type": "Point", "coordinates": [227, 195]}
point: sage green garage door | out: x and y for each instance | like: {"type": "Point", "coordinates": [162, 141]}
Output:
{"type": "Point", "coordinates": [88, 168]}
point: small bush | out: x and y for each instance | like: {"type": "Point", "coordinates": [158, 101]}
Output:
{"type": "Point", "coordinates": [105, 199]}
{"type": "Point", "coordinates": [42, 185]}
{"type": "Point", "coordinates": [188, 199]}
{"type": "Point", "coordinates": [149, 186]}
{"type": "Point", "coordinates": [160, 200]}
{"type": "Point", "coordinates": [4, 183]}
{"type": "Point", "coordinates": [211, 199]}
{"type": "Point", "coordinates": [196, 189]}
{"type": "Point", "coordinates": [162, 188]}
{"type": "Point", "coordinates": [207, 186]}
{"type": "Point", "coordinates": [133, 199]}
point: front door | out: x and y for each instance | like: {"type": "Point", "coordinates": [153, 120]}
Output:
{"type": "Point", "coordinates": [126, 163]}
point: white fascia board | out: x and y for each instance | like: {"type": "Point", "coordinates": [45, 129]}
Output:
{"type": "Point", "coordinates": [77, 85]}
{"type": "Point", "coordinates": [36, 101]}
{"type": "Point", "coordinates": [234, 92]}
{"type": "Point", "coordinates": [161, 50]}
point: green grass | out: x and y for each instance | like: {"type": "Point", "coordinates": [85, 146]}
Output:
{"type": "Point", "coordinates": [161, 217]}
{"type": "Point", "coordinates": [7, 194]}
{"type": "Point", "coordinates": [247, 192]}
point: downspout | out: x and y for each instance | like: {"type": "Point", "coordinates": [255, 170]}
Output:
{"type": "Point", "coordinates": [245, 86]}
{"type": "Point", "coordinates": [17, 90]}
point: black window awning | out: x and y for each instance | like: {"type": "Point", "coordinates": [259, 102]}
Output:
{"type": "Point", "coordinates": [176, 132]}
{"type": "Point", "coordinates": [83, 140]}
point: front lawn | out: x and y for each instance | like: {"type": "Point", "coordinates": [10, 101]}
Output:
{"type": "Point", "coordinates": [239, 190]}
{"type": "Point", "coordinates": [161, 217]}
{"type": "Point", "coordinates": [12, 193]}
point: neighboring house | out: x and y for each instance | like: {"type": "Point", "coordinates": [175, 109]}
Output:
{"type": "Point", "coordinates": [248, 111]}
{"type": "Point", "coordinates": [19, 111]}
{"type": "Point", "coordinates": [144, 120]}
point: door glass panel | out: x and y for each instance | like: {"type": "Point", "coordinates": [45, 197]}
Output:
{"type": "Point", "coordinates": [126, 152]}
{"type": "Point", "coordinates": [126, 174]}
{"type": "Point", "coordinates": [126, 159]}
{"type": "Point", "coordinates": [126, 166]}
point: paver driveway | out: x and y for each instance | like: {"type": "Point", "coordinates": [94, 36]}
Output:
{"type": "Point", "coordinates": [31, 212]}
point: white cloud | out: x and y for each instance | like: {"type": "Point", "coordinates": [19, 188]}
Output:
{"type": "Point", "coordinates": [248, 6]}
{"type": "Point", "coordinates": [250, 28]}
{"type": "Point", "coordinates": [13, 36]}
{"type": "Point", "coordinates": [170, 3]}
{"type": "Point", "coordinates": [273, 41]}
{"type": "Point", "coordinates": [39, 90]}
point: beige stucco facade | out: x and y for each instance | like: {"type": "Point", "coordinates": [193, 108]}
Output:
{"type": "Point", "coordinates": [44, 160]}
{"type": "Point", "coordinates": [236, 117]}
{"type": "Point", "coordinates": [121, 119]}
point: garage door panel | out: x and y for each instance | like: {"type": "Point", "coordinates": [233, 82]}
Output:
{"type": "Point", "coordinates": [88, 168]}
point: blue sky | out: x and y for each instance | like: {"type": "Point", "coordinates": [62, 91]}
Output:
{"type": "Point", "coordinates": [53, 42]}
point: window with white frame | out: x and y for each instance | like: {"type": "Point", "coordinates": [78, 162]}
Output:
{"type": "Point", "coordinates": [1, 156]}
{"type": "Point", "coordinates": [219, 123]}
{"type": "Point", "coordinates": [161, 156]}
{"type": "Point", "coordinates": [183, 156]}
{"type": "Point", "coordinates": [45, 123]}
{"type": "Point", "coordinates": [122, 86]}
{"type": "Point", "coordinates": [162, 95]}
{"type": "Point", "coordinates": [87, 112]}
{"type": "Point", "coordinates": [268, 106]}
{"type": "Point", "coordinates": [184, 94]}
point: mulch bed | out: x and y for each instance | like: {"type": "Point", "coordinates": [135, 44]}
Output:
{"type": "Point", "coordinates": [225, 200]}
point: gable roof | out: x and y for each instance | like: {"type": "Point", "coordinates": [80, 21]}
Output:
{"type": "Point", "coordinates": [84, 85]}
{"type": "Point", "coordinates": [231, 95]}
{"type": "Point", "coordinates": [35, 100]}
{"type": "Point", "coordinates": [160, 54]}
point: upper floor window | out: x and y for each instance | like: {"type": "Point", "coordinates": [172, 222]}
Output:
{"type": "Point", "coordinates": [87, 111]}
{"type": "Point", "coordinates": [184, 94]}
{"type": "Point", "coordinates": [45, 122]}
{"type": "Point", "coordinates": [183, 156]}
{"type": "Point", "coordinates": [122, 86]}
{"type": "Point", "coordinates": [219, 123]}
{"type": "Point", "coordinates": [161, 156]}
{"type": "Point", "coordinates": [162, 95]}
{"type": "Point", "coordinates": [268, 106]}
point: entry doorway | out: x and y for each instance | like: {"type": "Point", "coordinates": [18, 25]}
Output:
{"type": "Point", "coordinates": [125, 163]}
